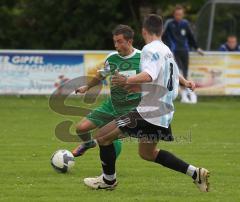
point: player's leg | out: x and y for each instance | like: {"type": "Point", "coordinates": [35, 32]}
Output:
{"type": "Point", "coordinates": [106, 114]}
{"type": "Point", "coordinates": [200, 176]}
{"type": "Point", "coordinates": [148, 151]}
{"type": "Point", "coordinates": [83, 129]}
{"type": "Point", "coordinates": [105, 137]}
{"type": "Point", "coordinates": [149, 135]}
{"type": "Point", "coordinates": [96, 119]}
{"type": "Point", "coordinates": [117, 147]}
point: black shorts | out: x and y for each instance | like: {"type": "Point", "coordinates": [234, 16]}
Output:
{"type": "Point", "coordinates": [133, 124]}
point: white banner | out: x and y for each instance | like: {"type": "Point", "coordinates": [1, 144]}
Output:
{"type": "Point", "coordinates": [41, 72]}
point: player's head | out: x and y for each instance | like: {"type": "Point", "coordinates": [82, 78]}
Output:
{"type": "Point", "coordinates": [178, 12]}
{"type": "Point", "coordinates": [152, 27]}
{"type": "Point", "coordinates": [123, 39]}
{"type": "Point", "coordinates": [232, 41]}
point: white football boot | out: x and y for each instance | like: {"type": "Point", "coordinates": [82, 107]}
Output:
{"type": "Point", "coordinates": [98, 183]}
{"type": "Point", "coordinates": [184, 96]}
{"type": "Point", "coordinates": [193, 97]}
{"type": "Point", "coordinates": [202, 179]}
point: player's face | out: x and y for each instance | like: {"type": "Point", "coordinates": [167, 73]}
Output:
{"type": "Point", "coordinates": [232, 42]}
{"type": "Point", "coordinates": [122, 45]}
{"type": "Point", "coordinates": [178, 14]}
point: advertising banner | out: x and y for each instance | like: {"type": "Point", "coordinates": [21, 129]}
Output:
{"type": "Point", "coordinates": [41, 72]}
{"type": "Point", "coordinates": [216, 73]}
{"type": "Point", "coordinates": [37, 73]}
{"type": "Point", "coordinates": [94, 62]}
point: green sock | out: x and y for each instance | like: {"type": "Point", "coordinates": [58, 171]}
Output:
{"type": "Point", "coordinates": [117, 146]}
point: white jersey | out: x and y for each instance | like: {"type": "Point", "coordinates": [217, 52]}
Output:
{"type": "Point", "coordinates": [156, 105]}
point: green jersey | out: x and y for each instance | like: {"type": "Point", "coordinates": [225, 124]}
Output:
{"type": "Point", "coordinates": [122, 100]}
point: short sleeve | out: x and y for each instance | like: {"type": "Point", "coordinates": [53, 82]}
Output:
{"type": "Point", "coordinates": [105, 70]}
{"type": "Point", "coordinates": [151, 63]}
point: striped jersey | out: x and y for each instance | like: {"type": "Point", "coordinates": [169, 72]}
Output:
{"type": "Point", "coordinates": [156, 105]}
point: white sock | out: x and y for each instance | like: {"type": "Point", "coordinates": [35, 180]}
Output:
{"type": "Point", "coordinates": [190, 171]}
{"type": "Point", "coordinates": [109, 177]}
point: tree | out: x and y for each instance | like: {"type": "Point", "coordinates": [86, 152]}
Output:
{"type": "Point", "coordinates": [75, 24]}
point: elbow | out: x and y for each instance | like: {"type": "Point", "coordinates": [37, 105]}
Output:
{"type": "Point", "coordinates": [149, 79]}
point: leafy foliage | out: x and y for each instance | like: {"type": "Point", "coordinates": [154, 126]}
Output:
{"type": "Point", "coordinates": [76, 24]}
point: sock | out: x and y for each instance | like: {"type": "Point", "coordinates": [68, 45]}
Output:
{"type": "Point", "coordinates": [191, 171]}
{"type": "Point", "coordinates": [108, 158]}
{"type": "Point", "coordinates": [86, 138]}
{"type": "Point", "coordinates": [90, 143]}
{"type": "Point", "coordinates": [168, 160]}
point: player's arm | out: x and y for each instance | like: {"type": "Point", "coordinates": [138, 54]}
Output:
{"type": "Point", "coordinates": [192, 40]}
{"type": "Point", "coordinates": [93, 82]}
{"type": "Point", "coordinates": [148, 74]}
{"type": "Point", "coordinates": [186, 83]}
{"type": "Point", "coordinates": [144, 77]}
{"type": "Point", "coordinates": [132, 83]}
{"type": "Point", "coordinates": [121, 80]}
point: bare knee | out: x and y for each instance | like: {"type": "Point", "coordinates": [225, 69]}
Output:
{"type": "Point", "coordinates": [103, 139]}
{"type": "Point", "coordinates": [81, 128]}
{"type": "Point", "coordinates": [100, 141]}
{"type": "Point", "coordinates": [148, 155]}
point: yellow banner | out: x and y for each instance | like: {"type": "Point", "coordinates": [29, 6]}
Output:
{"type": "Point", "coordinates": [215, 73]}
{"type": "Point", "coordinates": [94, 62]}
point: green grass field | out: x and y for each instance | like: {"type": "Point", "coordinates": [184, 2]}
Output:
{"type": "Point", "coordinates": [208, 134]}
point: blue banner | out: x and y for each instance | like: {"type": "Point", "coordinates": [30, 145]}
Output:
{"type": "Point", "coordinates": [38, 73]}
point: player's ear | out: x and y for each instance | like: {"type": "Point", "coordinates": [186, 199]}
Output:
{"type": "Point", "coordinates": [130, 41]}
{"type": "Point", "coordinates": [143, 32]}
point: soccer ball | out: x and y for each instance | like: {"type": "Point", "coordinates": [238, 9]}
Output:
{"type": "Point", "coordinates": [62, 161]}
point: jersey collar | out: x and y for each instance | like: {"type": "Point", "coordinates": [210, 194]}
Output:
{"type": "Point", "coordinates": [129, 56]}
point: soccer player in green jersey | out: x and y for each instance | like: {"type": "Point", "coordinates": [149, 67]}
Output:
{"type": "Point", "coordinates": [125, 60]}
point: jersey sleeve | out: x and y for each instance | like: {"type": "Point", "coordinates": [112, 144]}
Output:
{"type": "Point", "coordinates": [190, 36]}
{"type": "Point", "coordinates": [106, 69]}
{"type": "Point", "coordinates": [151, 63]}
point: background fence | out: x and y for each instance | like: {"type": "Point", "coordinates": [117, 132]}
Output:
{"type": "Point", "coordinates": [28, 72]}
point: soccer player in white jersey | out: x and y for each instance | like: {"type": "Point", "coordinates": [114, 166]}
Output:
{"type": "Point", "coordinates": [150, 121]}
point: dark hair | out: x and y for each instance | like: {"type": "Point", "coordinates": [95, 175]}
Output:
{"type": "Point", "coordinates": [178, 7]}
{"type": "Point", "coordinates": [153, 24]}
{"type": "Point", "coordinates": [125, 30]}
{"type": "Point", "coordinates": [231, 36]}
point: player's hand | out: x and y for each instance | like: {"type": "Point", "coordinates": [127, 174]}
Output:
{"type": "Point", "coordinates": [200, 51]}
{"type": "Point", "coordinates": [190, 84]}
{"type": "Point", "coordinates": [133, 88]}
{"type": "Point", "coordinates": [82, 89]}
{"type": "Point", "coordinates": [119, 79]}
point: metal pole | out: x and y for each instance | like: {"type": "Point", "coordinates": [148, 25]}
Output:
{"type": "Point", "coordinates": [210, 30]}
